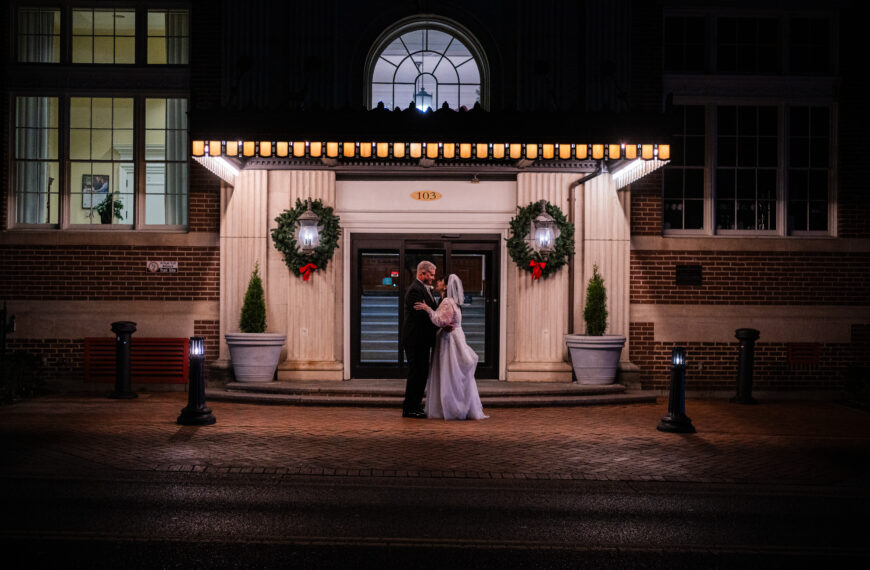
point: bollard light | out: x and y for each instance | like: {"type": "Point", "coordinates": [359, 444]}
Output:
{"type": "Point", "coordinates": [544, 232]}
{"type": "Point", "coordinates": [196, 413]}
{"type": "Point", "coordinates": [308, 230]}
{"type": "Point", "coordinates": [676, 421]}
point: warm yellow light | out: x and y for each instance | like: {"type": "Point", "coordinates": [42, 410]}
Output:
{"type": "Point", "coordinates": [232, 148]}
{"type": "Point", "coordinates": [416, 150]}
{"type": "Point", "coordinates": [214, 148]}
{"type": "Point", "coordinates": [432, 150]}
{"type": "Point", "coordinates": [516, 151]}
{"type": "Point", "coordinates": [299, 148]}
{"type": "Point", "coordinates": [282, 148]}
{"type": "Point", "coordinates": [631, 151]}
{"type": "Point", "coordinates": [315, 148]}
{"type": "Point", "coordinates": [265, 148]}
{"type": "Point", "coordinates": [614, 151]}
{"type": "Point", "coordinates": [598, 151]}
{"type": "Point", "coordinates": [664, 152]}
{"type": "Point", "coordinates": [399, 150]}
{"type": "Point", "coordinates": [464, 150]}
{"type": "Point", "coordinates": [564, 151]}
{"type": "Point", "coordinates": [198, 148]}
{"type": "Point", "coordinates": [482, 150]}
{"type": "Point", "coordinates": [548, 151]}
{"type": "Point", "coordinates": [449, 150]}
{"type": "Point", "coordinates": [248, 148]}
{"type": "Point", "coordinates": [531, 151]}
{"type": "Point", "coordinates": [331, 149]}
{"type": "Point", "coordinates": [498, 151]}
{"type": "Point", "coordinates": [365, 149]}
{"type": "Point", "coordinates": [581, 151]}
{"type": "Point", "coordinates": [646, 151]}
{"type": "Point", "coordinates": [348, 149]}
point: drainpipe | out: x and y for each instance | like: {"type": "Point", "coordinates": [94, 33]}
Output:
{"type": "Point", "coordinates": [578, 236]}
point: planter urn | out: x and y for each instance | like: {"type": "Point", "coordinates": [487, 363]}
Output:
{"type": "Point", "coordinates": [595, 358]}
{"type": "Point", "coordinates": [255, 355]}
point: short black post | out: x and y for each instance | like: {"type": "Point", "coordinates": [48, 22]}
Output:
{"type": "Point", "coordinates": [196, 413]}
{"type": "Point", "coordinates": [123, 337]}
{"type": "Point", "coordinates": [745, 363]}
{"type": "Point", "coordinates": [677, 421]}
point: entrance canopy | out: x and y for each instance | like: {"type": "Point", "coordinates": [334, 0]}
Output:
{"type": "Point", "coordinates": [445, 140]}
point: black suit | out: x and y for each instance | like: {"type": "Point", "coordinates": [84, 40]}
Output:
{"type": "Point", "coordinates": [418, 338]}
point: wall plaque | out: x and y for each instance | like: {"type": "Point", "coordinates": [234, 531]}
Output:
{"type": "Point", "coordinates": [161, 266]}
{"type": "Point", "coordinates": [426, 195]}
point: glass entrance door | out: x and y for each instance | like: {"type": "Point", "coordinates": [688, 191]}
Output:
{"type": "Point", "coordinates": [382, 269]}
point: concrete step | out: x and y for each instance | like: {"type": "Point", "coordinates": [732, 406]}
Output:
{"type": "Point", "coordinates": [390, 392]}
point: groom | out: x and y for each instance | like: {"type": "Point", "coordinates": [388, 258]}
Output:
{"type": "Point", "coordinates": [418, 339]}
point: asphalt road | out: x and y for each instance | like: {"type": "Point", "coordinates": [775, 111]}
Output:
{"type": "Point", "coordinates": [165, 520]}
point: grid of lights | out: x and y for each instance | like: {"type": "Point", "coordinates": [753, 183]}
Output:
{"type": "Point", "coordinates": [432, 150]}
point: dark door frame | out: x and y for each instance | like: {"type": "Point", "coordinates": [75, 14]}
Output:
{"type": "Point", "coordinates": [448, 244]}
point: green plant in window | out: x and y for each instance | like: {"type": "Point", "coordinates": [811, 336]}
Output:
{"type": "Point", "coordinates": [103, 209]}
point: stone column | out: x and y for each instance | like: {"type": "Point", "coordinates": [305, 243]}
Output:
{"type": "Point", "coordinates": [603, 238]}
{"type": "Point", "coordinates": [309, 312]}
{"type": "Point", "coordinates": [243, 242]}
{"type": "Point", "coordinates": [538, 311]}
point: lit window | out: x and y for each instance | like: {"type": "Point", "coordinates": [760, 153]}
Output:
{"type": "Point", "coordinates": [103, 35]}
{"type": "Point", "coordinates": [429, 65]}
{"type": "Point", "coordinates": [38, 35]}
{"type": "Point", "coordinates": [168, 37]}
{"type": "Point", "coordinates": [166, 161]}
{"type": "Point", "coordinates": [37, 179]}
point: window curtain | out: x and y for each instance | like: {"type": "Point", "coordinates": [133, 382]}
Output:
{"type": "Point", "coordinates": [176, 164]}
{"type": "Point", "coordinates": [33, 181]}
{"type": "Point", "coordinates": [35, 36]}
{"type": "Point", "coordinates": [176, 37]}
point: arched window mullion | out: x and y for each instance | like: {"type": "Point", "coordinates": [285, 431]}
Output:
{"type": "Point", "coordinates": [444, 54]}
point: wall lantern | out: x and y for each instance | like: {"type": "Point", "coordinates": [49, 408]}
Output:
{"type": "Point", "coordinates": [544, 232]}
{"type": "Point", "coordinates": [308, 230]}
{"type": "Point", "coordinates": [423, 100]}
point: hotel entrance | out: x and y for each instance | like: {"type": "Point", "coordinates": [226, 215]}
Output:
{"type": "Point", "coordinates": [382, 268]}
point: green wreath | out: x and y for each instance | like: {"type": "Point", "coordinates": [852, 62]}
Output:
{"type": "Point", "coordinates": [284, 238]}
{"type": "Point", "coordinates": [522, 253]}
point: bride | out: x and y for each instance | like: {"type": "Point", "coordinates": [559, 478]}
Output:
{"type": "Point", "coordinates": [451, 391]}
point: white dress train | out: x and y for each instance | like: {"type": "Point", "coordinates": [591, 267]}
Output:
{"type": "Point", "coordinates": [451, 391]}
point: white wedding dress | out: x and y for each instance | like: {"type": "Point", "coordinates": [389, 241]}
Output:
{"type": "Point", "coordinates": [451, 391]}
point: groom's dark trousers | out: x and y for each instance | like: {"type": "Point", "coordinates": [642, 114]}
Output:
{"type": "Point", "coordinates": [418, 338]}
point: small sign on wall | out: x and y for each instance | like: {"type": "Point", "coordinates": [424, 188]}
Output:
{"type": "Point", "coordinates": [426, 195]}
{"type": "Point", "coordinates": [161, 266]}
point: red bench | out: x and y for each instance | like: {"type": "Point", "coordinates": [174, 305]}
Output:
{"type": "Point", "coordinates": [152, 360]}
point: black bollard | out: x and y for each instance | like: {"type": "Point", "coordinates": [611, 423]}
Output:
{"type": "Point", "coordinates": [123, 331]}
{"type": "Point", "coordinates": [745, 363]}
{"type": "Point", "coordinates": [677, 421]}
{"type": "Point", "coordinates": [196, 413]}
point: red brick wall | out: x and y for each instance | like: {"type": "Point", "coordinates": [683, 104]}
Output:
{"type": "Point", "coordinates": [205, 202]}
{"type": "Point", "coordinates": [742, 278]}
{"type": "Point", "coordinates": [95, 273]}
{"type": "Point", "coordinates": [646, 205]}
{"type": "Point", "coordinates": [712, 366]}
{"type": "Point", "coordinates": [63, 359]}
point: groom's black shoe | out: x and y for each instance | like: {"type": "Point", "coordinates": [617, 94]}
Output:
{"type": "Point", "coordinates": [419, 414]}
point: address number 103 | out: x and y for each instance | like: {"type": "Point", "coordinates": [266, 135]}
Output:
{"type": "Point", "coordinates": [426, 195]}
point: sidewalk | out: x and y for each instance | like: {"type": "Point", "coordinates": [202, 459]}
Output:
{"type": "Point", "coordinates": [780, 443]}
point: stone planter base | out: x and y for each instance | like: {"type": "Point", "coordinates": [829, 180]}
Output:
{"type": "Point", "coordinates": [595, 358]}
{"type": "Point", "coordinates": [255, 355]}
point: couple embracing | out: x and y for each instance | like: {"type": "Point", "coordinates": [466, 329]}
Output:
{"type": "Point", "coordinates": [436, 328]}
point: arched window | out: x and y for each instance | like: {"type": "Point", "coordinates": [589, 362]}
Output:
{"type": "Point", "coordinates": [429, 61]}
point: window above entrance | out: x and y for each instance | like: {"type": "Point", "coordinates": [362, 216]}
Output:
{"type": "Point", "coordinates": [427, 61]}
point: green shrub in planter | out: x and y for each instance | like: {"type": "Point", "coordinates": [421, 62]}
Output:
{"type": "Point", "coordinates": [595, 313]}
{"type": "Point", "coordinates": [254, 308]}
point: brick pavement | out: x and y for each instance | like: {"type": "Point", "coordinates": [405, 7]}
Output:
{"type": "Point", "coordinates": [799, 443]}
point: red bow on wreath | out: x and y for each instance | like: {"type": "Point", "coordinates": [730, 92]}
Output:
{"type": "Point", "coordinates": [537, 267]}
{"type": "Point", "coordinates": [306, 270]}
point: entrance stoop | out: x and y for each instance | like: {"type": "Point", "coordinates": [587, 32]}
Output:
{"type": "Point", "coordinates": [390, 393]}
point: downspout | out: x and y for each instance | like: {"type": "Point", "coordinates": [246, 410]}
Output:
{"type": "Point", "coordinates": [578, 236]}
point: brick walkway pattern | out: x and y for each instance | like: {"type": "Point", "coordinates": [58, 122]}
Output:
{"type": "Point", "coordinates": [793, 443]}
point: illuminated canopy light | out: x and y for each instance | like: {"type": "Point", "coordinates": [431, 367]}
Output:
{"type": "Point", "coordinates": [432, 150]}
